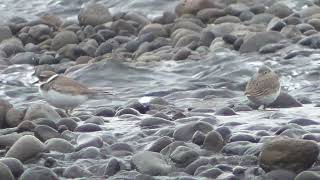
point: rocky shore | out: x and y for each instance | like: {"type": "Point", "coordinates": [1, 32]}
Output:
{"type": "Point", "coordinates": [178, 111]}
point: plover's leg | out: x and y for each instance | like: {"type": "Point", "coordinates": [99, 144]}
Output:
{"type": "Point", "coordinates": [67, 111]}
{"type": "Point", "coordinates": [262, 107]}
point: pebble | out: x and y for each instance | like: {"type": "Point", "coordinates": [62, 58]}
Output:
{"type": "Point", "coordinates": [159, 144]}
{"type": "Point", "coordinates": [5, 172]}
{"type": "Point", "coordinates": [151, 163]}
{"type": "Point", "coordinates": [14, 117]}
{"type": "Point", "coordinates": [94, 14]}
{"type": "Point", "coordinates": [76, 171]}
{"type": "Point", "coordinates": [87, 140]}
{"type": "Point", "coordinates": [213, 141]}
{"type": "Point", "coordinates": [155, 122]}
{"type": "Point", "coordinates": [39, 110]}
{"type": "Point", "coordinates": [225, 111]}
{"type": "Point", "coordinates": [185, 132]}
{"type": "Point", "coordinates": [38, 173]}
{"type": "Point", "coordinates": [88, 127]}
{"type": "Point", "coordinates": [43, 132]}
{"type": "Point", "coordinates": [112, 167]}
{"type": "Point", "coordinates": [25, 148]}
{"type": "Point", "coordinates": [15, 166]}
{"type": "Point", "coordinates": [59, 145]}
{"type": "Point", "coordinates": [183, 156]}
{"type": "Point", "coordinates": [292, 154]}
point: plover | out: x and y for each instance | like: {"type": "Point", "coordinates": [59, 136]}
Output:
{"type": "Point", "coordinates": [264, 87]}
{"type": "Point", "coordinates": [63, 92]}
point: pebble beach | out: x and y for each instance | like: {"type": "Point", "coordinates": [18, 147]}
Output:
{"type": "Point", "coordinates": [177, 72]}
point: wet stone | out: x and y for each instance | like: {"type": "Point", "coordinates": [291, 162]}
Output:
{"type": "Point", "coordinates": [87, 140]}
{"type": "Point", "coordinates": [5, 172]}
{"type": "Point", "coordinates": [243, 137]}
{"type": "Point", "coordinates": [76, 171]}
{"type": "Point", "coordinates": [15, 166]}
{"type": "Point", "coordinates": [183, 156]}
{"type": "Point", "coordinates": [185, 132]}
{"type": "Point", "coordinates": [89, 127]}
{"type": "Point", "coordinates": [39, 173]}
{"type": "Point", "coordinates": [160, 143]}
{"type": "Point", "coordinates": [225, 111]}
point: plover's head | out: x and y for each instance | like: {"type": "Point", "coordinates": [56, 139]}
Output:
{"type": "Point", "coordinates": [45, 75]}
{"type": "Point", "coordinates": [263, 70]}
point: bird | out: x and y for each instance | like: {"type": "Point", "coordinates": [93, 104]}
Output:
{"type": "Point", "coordinates": [63, 92]}
{"type": "Point", "coordinates": [264, 87]}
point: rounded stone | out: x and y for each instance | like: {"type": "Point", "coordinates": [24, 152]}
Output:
{"type": "Point", "coordinates": [63, 38]}
{"type": "Point", "coordinates": [105, 112]}
{"type": "Point", "coordinates": [87, 140]}
{"type": "Point", "coordinates": [89, 127]}
{"type": "Point", "coordinates": [59, 145]}
{"type": "Point", "coordinates": [94, 14]}
{"type": "Point", "coordinates": [38, 173]}
{"type": "Point", "coordinates": [5, 173]}
{"type": "Point", "coordinates": [25, 148]}
{"type": "Point", "coordinates": [289, 154]}
{"type": "Point", "coordinates": [159, 144]}
{"type": "Point", "coordinates": [70, 123]}
{"type": "Point", "coordinates": [44, 132]}
{"type": "Point", "coordinates": [14, 165]}
{"type": "Point", "coordinates": [39, 110]}
{"type": "Point", "coordinates": [14, 117]}
{"type": "Point", "coordinates": [151, 163]}
{"type": "Point", "coordinates": [76, 171]}
{"type": "Point", "coordinates": [213, 141]}
{"type": "Point", "coordinates": [225, 111]}
{"type": "Point", "coordinates": [185, 132]}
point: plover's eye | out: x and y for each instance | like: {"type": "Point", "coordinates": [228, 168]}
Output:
{"type": "Point", "coordinates": [265, 72]}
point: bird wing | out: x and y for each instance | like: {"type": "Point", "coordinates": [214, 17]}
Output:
{"type": "Point", "coordinates": [70, 86]}
{"type": "Point", "coordinates": [263, 86]}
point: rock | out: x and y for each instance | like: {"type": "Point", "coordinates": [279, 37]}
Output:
{"type": "Point", "coordinates": [225, 111]}
{"type": "Point", "coordinates": [192, 6]}
{"type": "Point", "coordinates": [68, 122]}
{"type": "Point", "coordinates": [308, 175]}
{"type": "Point", "coordinates": [289, 154]}
{"type": "Point", "coordinates": [315, 23]}
{"type": "Point", "coordinates": [43, 132]}
{"type": "Point", "coordinates": [94, 14]}
{"type": "Point", "coordinates": [121, 25]}
{"type": "Point", "coordinates": [271, 48]}
{"type": "Point", "coordinates": [258, 8]}
{"type": "Point", "coordinates": [87, 140]}
{"type": "Point", "coordinates": [279, 174]}
{"type": "Point", "coordinates": [255, 42]}
{"type": "Point", "coordinates": [59, 145]}
{"type": "Point", "coordinates": [137, 106]}
{"type": "Point", "coordinates": [151, 163]}
{"type": "Point", "coordinates": [291, 32]}
{"type": "Point", "coordinates": [198, 138]}
{"type": "Point", "coordinates": [227, 19]}
{"type": "Point", "coordinates": [246, 15]}
{"type": "Point", "coordinates": [185, 132]}
{"type": "Point", "coordinates": [112, 167]}
{"type": "Point", "coordinates": [182, 54]}
{"type": "Point", "coordinates": [206, 38]}
{"type": "Point", "coordinates": [236, 9]}
{"type": "Point", "coordinates": [237, 148]}
{"type": "Point", "coordinates": [14, 117]}
{"type": "Point", "coordinates": [38, 173]}
{"type": "Point", "coordinates": [95, 120]}
{"type": "Point", "coordinates": [280, 10]}
{"type": "Point", "coordinates": [209, 14]}
{"type": "Point", "coordinates": [136, 17]}
{"type": "Point", "coordinates": [25, 58]}
{"type": "Point", "coordinates": [167, 17]}
{"type": "Point", "coordinates": [229, 38]}
{"type": "Point", "coordinates": [191, 168]}
{"type": "Point", "coordinates": [47, 59]}
{"type": "Point", "coordinates": [225, 132]}
{"type": "Point", "coordinates": [160, 143]}
{"type": "Point", "coordinates": [211, 173]}
{"type": "Point", "coordinates": [124, 147]}
{"type": "Point", "coordinates": [25, 148]}
{"type": "Point", "coordinates": [5, 173]}
{"type": "Point", "coordinates": [26, 126]}
{"type": "Point", "coordinates": [243, 137]}
{"type": "Point", "coordinates": [183, 156]}
{"type": "Point", "coordinates": [156, 29]}
{"type": "Point", "coordinates": [40, 32]}
{"type": "Point", "coordinates": [70, 51]}
{"type": "Point", "coordinates": [76, 171]}
{"type": "Point", "coordinates": [40, 110]}
{"type": "Point", "coordinates": [309, 11]}
{"type": "Point", "coordinates": [285, 100]}
{"type": "Point", "coordinates": [155, 122]}
{"type": "Point", "coordinates": [311, 41]}
{"type": "Point", "coordinates": [263, 19]}
{"type": "Point", "coordinates": [213, 142]}
{"type": "Point", "coordinates": [105, 112]}
{"type": "Point", "coordinates": [5, 33]}
{"type": "Point", "coordinates": [89, 127]}
{"type": "Point", "coordinates": [15, 166]}
{"type": "Point", "coordinates": [63, 38]}
{"type": "Point", "coordinates": [12, 46]}
{"type": "Point", "coordinates": [276, 24]}
{"type": "Point", "coordinates": [304, 122]}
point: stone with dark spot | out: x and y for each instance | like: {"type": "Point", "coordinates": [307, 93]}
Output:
{"type": "Point", "coordinates": [198, 138]}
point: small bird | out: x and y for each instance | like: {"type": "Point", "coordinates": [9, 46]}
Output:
{"type": "Point", "coordinates": [63, 92]}
{"type": "Point", "coordinates": [264, 87]}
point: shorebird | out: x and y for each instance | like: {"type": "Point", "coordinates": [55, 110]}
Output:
{"type": "Point", "coordinates": [264, 87]}
{"type": "Point", "coordinates": [63, 92]}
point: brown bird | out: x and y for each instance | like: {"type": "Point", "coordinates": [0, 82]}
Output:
{"type": "Point", "coordinates": [264, 87]}
{"type": "Point", "coordinates": [64, 92]}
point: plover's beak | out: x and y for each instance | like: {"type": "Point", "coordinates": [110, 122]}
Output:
{"type": "Point", "coordinates": [35, 82]}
